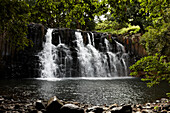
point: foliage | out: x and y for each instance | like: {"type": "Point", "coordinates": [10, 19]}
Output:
{"type": "Point", "coordinates": [128, 11]}
{"type": "Point", "coordinates": [153, 68]}
{"type": "Point", "coordinates": [17, 14]}
{"type": "Point", "coordinates": [116, 28]}
{"type": "Point", "coordinates": [158, 11]}
{"type": "Point", "coordinates": [67, 13]}
{"type": "Point", "coordinates": [13, 22]}
{"type": "Point", "coordinates": [157, 40]}
{"type": "Point", "coordinates": [109, 25]}
{"type": "Point", "coordinates": [139, 12]}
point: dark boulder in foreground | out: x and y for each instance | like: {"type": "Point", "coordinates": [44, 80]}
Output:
{"type": "Point", "coordinates": [71, 108]}
{"type": "Point", "coordinates": [54, 105]}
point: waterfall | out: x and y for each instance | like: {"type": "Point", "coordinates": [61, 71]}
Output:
{"type": "Point", "coordinates": [82, 60]}
{"type": "Point", "coordinates": [93, 39]}
{"type": "Point", "coordinates": [48, 57]}
{"type": "Point", "coordinates": [124, 57]}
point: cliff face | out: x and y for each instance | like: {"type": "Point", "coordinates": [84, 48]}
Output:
{"type": "Point", "coordinates": [21, 63]}
{"type": "Point", "coordinates": [132, 45]}
{"type": "Point", "coordinates": [25, 63]}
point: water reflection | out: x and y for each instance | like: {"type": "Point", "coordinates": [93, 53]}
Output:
{"type": "Point", "coordinates": [97, 92]}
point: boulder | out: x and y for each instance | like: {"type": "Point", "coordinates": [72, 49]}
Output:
{"type": "Point", "coordinates": [124, 109]}
{"type": "Point", "coordinates": [71, 108]}
{"type": "Point", "coordinates": [98, 110]}
{"type": "Point", "coordinates": [39, 105]}
{"type": "Point", "coordinates": [91, 109]}
{"type": "Point", "coordinates": [166, 107]}
{"type": "Point", "coordinates": [147, 111]}
{"type": "Point", "coordinates": [127, 109]}
{"type": "Point", "coordinates": [116, 110]}
{"type": "Point", "coordinates": [54, 105]}
{"type": "Point", "coordinates": [112, 106]}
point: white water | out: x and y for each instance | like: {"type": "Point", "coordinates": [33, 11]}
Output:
{"type": "Point", "coordinates": [48, 57]}
{"type": "Point", "coordinates": [57, 61]}
{"type": "Point", "coordinates": [124, 56]}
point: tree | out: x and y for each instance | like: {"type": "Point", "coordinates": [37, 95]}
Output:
{"type": "Point", "coordinates": [128, 11]}
{"type": "Point", "coordinates": [139, 12]}
{"type": "Point", "coordinates": [67, 13]}
{"type": "Point", "coordinates": [156, 40]}
{"type": "Point", "coordinates": [17, 14]}
{"type": "Point", "coordinates": [152, 69]}
{"type": "Point", "coordinates": [13, 22]}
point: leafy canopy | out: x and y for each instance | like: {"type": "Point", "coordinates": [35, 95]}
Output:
{"type": "Point", "coordinates": [17, 14]}
{"type": "Point", "coordinates": [13, 22]}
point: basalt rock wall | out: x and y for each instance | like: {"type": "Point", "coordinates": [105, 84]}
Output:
{"type": "Point", "coordinates": [25, 63]}
{"type": "Point", "coordinates": [21, 63]}
{"type": "Point", "coordinates": [133, 46]}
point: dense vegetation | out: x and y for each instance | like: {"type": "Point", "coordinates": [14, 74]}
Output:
{"type": "Point", "coordinates": [17, 14]}
{"type": "Point", "coordinates": [149, 17]}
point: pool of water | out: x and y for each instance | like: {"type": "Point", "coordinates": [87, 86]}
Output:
{"type": "Point", "coordinates": [85, 90]}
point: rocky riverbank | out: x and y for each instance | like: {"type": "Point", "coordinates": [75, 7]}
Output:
{"type": "Point", "coordinates": [54, 105]}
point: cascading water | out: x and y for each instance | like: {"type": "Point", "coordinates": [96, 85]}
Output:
{"type": "Point", "coordinates": [48, 57]}
{"type": "Point", "coordinates": [124, 57]}
{"type": "Point", "coordinates": [58, 60]}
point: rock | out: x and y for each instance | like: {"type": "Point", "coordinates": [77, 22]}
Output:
{"type": "Point", "coordinates": [166, 107]}
{"type": "Point", "coordinates": [17, 106]}
{"type": "Point", "coordinates": [116, 110]}
{"type": "Point", "coordinates": [39, 105]}
{"type": "Point", "coordinates": [1, 100]}
{"type": "Point", "coordinates": [139, 106]}
{"type": "Point", "coordinates": [54, 105]}
{"type": "Point", "coordinates": [71, 108]}
{"type": "Point", "coordinates": [164, 100]}
{"type": "Point", "coordinates": [112, 106]}
{"type": "Point", "coordinates": [157, 101]}
{"type": "Point", "coordinates": [164, 111]}
{"type": "Point", "coordinates": [147, 111]}
{"type": "Point", "coordinates": [127, 109]}
{"type": "Point", "coordinates": [124, 109]}
{"type": "Point", "coordinates": [33, 111]}
{"type": "Point", "coordinates": [98, 110]}
{"type": "Point", "coordinates": [91, 108]}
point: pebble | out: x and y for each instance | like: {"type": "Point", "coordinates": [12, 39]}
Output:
{"type": "Point", "coordinates": [39, 106]}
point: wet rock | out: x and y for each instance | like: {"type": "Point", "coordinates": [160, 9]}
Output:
{"type": "Point", "coordinates": [33, 111]}
{"type": "Point", "coordinates": [166, 107]}
{"type": "Point", "coordinates": [1, 100]}
{"type": "Point", "coordinates": [71, 108]}
{"type": "Point", "coordinates": [39, 105]}
{"type": "Point", "coordinates": [139, 106]}
{"type": "Point", "coordinates": [157, 101]}
{"type": "Point", "coordinates": [17, 106]}
{"type": "Point", "coordinates": [112, 106]}
{"type": "Point", "coordinates": [98, 110]}
{"type": "Point", "coordinates": [116, 110]}
{"type": "Point", "coordinates": [127, 109]}
{"type": "Point", "coordinates": [164, 100]}
{"type": "Point", "coordinates": [164, 111]}
{"type": "Point", "coordinates": [147, 111]}
{"type": "Point", "coordinates": [90, 109]}
{"type": "Point", "coordinates": [54, 105]}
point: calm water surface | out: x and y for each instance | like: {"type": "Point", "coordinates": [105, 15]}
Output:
{"type": "Point", "coordinates": [90, 91]}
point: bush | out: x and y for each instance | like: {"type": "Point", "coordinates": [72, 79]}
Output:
{"type": "Point", "coordinates": [154, 69]}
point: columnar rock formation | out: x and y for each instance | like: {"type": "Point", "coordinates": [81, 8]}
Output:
{"type": "Point", "coordinates": [26, 63]}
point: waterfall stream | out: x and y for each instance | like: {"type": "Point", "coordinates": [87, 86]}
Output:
{"type": "Point", "coordinates": [48, 57]}
{"type": "Point", "coordinates": [57, 61]}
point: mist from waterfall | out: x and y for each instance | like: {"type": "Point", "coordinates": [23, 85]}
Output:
{"type": "Point", "coordinates": [56, 61]}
